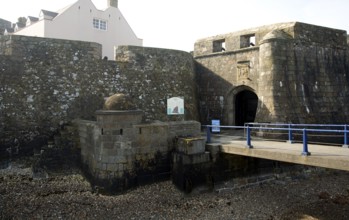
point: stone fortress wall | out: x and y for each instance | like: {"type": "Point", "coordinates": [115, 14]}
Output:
{"type": "Point", "coordinates": [297, 72]}
{"type": "Point", "coordinates": [47, 83]}
{"type": "Point", "coordinates": [290, 72]}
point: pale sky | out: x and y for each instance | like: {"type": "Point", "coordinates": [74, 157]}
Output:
{"type": "Point", "coordinates": [177, 24]}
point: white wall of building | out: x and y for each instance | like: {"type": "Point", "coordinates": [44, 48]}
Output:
{"type": "Point", "coordinates": [37, 29]}
{"type": "Point", "coordinates": [76, 23]}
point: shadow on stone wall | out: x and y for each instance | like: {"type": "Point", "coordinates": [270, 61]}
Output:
{"type": "Point", "coordinates": [85, 107]}
{"type": "Point", "coordinates": [214, 92]}
{"type": "Point", "coordinates": [47, 83]}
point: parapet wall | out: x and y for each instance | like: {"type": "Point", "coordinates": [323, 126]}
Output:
{"type": "Point", "coordinates": [119, 151]}
{"type": "Point", "coordinates": [35, 48]}
{"type": "Point", "coordinates": [306, 33]}
{"type": "Point", "coordinates": [47, 83]}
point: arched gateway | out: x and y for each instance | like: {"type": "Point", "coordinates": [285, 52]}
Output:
{"type": "Point", "coordinates": [242, 103]}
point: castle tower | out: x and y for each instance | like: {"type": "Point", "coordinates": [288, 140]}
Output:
{"type": "Point", "coordinates": [113, 3]}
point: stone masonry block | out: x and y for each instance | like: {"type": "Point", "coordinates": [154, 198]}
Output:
{"type": "Point", "coordinates": [202, 158]}
{"type": "Point", "coordinates": [120, 159]}
{"type": "Point", "coordinates": [118, 174]}
{"type": "Point", "coordinates": [191, 159]}
{"type": "Point", "coordinates": [108, 145]}
{"type": "Point", "coordinates": [121, 167]}
{"type": "Point", "coordinates": [102, 174]}
{"type": "Point", "coordinates": [104, 159]}
{"type": "Point", "coordinates": [111, 159]}
{"type": "Point", "coordinates": [191, 146]}
{"type": "Point", "coordinates": [113, 167]}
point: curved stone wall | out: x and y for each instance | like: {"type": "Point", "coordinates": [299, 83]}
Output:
{"type": "Point", "coordinates": [47, 83]}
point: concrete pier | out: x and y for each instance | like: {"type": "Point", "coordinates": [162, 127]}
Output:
{"type": "Point", "coordinates": [333, 157]}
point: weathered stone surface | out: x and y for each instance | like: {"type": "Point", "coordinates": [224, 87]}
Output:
{"type": "Point", "coordinates": [190, 146]}
{"type": "Point", "coordinates": [135, 152]}
{"type": "Point", "coordinates": [298, 72]}
{"type": "Point", "coordinates": [46, 83]}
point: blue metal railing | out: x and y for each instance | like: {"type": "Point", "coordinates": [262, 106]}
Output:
{"type": "Point", "coordinates": [342, 128]}
{"type": "Point", "coordinates": [290, 128]}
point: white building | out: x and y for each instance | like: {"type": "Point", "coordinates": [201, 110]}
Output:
{"type": "Point", "coordinates": [83, 21]}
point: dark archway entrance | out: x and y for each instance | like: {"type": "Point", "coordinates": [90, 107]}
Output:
{"type": "Point", "coordinates": [246, 103]}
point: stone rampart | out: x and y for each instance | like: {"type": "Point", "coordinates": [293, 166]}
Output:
{"type": "Point", "coordinates": [46, 83]}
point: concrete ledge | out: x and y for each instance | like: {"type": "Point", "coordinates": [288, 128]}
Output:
{"type": "Point", "coordinates": [191, 146]}
{"type": "Point", "coordinates": [333, 157]}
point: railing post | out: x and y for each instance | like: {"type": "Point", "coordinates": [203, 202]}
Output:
{"type": "Point", "coordinates": [289, 134]}
{"type": "Point", "coordinates": [208, 134]}
{"type": "Point", "coordinates": [248, 138]}
{"type": "Point", "coordinates": [305, 143]}
{"type": "Point", "coordinates": [345, 136]}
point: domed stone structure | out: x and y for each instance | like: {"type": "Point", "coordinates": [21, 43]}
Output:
{"type": "Point", "coordinates": [119, 101]}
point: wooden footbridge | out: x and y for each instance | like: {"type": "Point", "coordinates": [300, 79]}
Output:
{"type": "Point", "coordinates": [304, 144]}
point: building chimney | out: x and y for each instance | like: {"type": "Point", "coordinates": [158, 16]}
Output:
{"type": "Point", "coordinates": [113, 3]}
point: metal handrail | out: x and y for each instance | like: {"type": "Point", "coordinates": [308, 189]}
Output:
{"type": "Point", "coordinates": [290, 128]}
{"type": "Point", "coordinates": [295, 125]}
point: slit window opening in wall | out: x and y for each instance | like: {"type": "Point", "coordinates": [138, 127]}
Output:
{"type": "Point", "coordinates": [140, 130]}
{"type": "Point", "coordinates": [102, 131]}
{"type": "Point", "coordinates": [121, 131]}
{"type": "Point", "coordinates": [218, 46]}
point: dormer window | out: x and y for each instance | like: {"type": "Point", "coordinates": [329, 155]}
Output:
{"type": "Point", "coordinates": [100, 24]}
{"type": "Point", "coordinates": [48, 15]}
{"type": "Point", "coordinates": [31, 20]}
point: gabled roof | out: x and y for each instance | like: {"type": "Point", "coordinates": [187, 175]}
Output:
{"type": "Point", "coordinates": [4, 23]}
{"type": "Point", "coordinates": [9, 31]}
{"type": "Point", "coordinates": [20, 25]}
{"type": "Point", "coordinates": [32, 19]}
{"type": "Point", "coordinates": [48, 14]}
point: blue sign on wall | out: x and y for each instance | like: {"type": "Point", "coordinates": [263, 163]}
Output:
{"type": "Point", "coordinates": [216, 129]}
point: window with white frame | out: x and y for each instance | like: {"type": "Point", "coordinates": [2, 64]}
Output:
{"type": "Point", "coordinates": [100, 24]}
